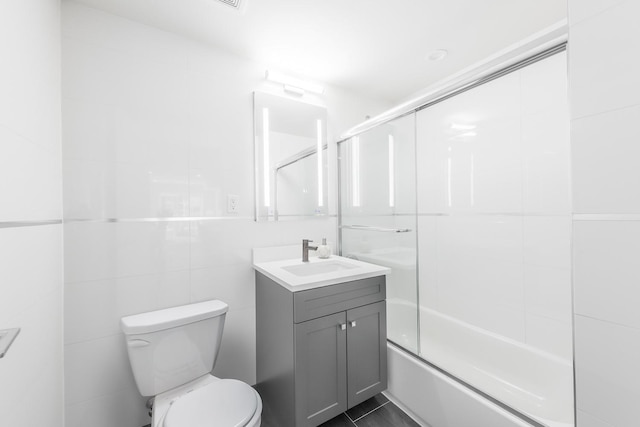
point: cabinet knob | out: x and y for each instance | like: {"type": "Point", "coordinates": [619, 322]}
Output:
{"type": "Point", "coordinates": [342, 326]}
{"type": "Point", "coordinates": [353, 323]}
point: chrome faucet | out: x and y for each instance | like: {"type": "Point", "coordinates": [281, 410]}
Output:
{"type": "Point", "coordinates": [306, 248]}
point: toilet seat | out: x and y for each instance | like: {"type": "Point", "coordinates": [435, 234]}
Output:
{"type": "Point", "coordinates": [223, 403]}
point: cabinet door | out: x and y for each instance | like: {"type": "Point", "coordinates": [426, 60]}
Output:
{"type": "Point", "coordinates": [367, 352]}
{"type": "Point", "coordinates": [321, 369]}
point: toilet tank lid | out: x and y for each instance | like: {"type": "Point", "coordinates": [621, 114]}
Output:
{"type": "Point", "coordinates": [171, 317]}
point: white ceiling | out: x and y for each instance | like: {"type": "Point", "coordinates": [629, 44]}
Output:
{"type": "Point", "coordinates": [378, 47]}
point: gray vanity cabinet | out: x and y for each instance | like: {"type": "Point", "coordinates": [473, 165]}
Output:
{"type": "Point", "coordinates": [319, 351]}
{"type": "Point", "coordinates": [320, 369]}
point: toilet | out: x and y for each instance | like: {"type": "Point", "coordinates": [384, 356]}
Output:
{"type": "Point", "coordinates": [172, 353]}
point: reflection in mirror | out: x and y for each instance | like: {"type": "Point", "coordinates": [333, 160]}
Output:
{"type": "Point", "coordinates": [290, 158]}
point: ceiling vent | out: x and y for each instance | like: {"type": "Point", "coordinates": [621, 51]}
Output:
{"type": "Point", "coordinates": [238, 5]}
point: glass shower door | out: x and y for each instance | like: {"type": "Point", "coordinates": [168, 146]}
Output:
{"type": "Point", "coordinates": [378, 216]}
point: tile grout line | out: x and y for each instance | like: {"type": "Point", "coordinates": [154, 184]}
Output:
{"type": "Point", "coordinates": [371, 411]}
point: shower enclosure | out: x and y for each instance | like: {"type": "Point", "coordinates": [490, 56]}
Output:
{"type": "Point", "coordinates": [467, 199]}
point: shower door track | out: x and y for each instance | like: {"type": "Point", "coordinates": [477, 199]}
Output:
{"type": "Point", "coordinates": [458, 89]}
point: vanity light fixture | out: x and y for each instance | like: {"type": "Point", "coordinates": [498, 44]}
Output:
{"type": "Point", "coordinates": [266, 167]}
{"type": "Point", "coordinates": [392, 184]}
{"type": "Point", "coordinates": [319, 156]}
{"type": "Point", "coordinates": [292, 84]}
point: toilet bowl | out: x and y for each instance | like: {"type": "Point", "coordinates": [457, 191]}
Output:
{"type": "Point", "coordinates": [172, 353]}
{"type": "Point", "coordinates": [208, 402]}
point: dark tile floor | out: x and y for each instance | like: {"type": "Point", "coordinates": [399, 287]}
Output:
{"type": "Point", "coordinates": [375, 412]}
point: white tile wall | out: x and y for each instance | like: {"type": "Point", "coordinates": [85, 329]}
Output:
{"type": "Point", "coordinates": [586, 420]}
{"type": "Point", "coordinates": [120, 409]}
{"type": "Point", "coordinates": [604, 155]}
{"type": "Point", "coordinates": [479, 272]}
{"type": "Point", "coordinates": [37, 169]}
{"type": "Point", "coordinates": [545, 136]}
{"type": "Point", "coordinates": [469, 151]}
{"type": "Point", "coordinates": [607, 270]}
{"type": "Point", "coordinates": [606, 370]}
{"type": "Point", "coordinates": [157, 126]}
{"type": "Point", "coordinates": [582, 9]}
{"type": "Point", "coordinates": [605, 101]}
{"type": "Point", "coordinates": [603, 67]}
{"type": "Point", "coordinates": [31, 373]}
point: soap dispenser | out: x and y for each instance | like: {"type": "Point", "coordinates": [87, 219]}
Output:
{"type": "Point", "coordinates": [324, 250]}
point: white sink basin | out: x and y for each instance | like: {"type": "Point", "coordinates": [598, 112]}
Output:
{"type": "Point", "coordinates": [308, 269]}
{"type": "Point", "coordinates": [296, 275]}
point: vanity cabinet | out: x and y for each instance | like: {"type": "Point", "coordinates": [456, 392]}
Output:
{"type": "Point", "coordinates": [319, 351]}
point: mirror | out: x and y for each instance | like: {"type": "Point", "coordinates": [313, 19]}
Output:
{"type": "Point", "coordinates": [290, 158]}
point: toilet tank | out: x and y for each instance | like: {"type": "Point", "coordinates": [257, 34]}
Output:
{"type": "Point", "coordinates": [170, 347]}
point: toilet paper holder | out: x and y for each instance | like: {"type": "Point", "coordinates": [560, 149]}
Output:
{"type": "Point", "coordinates": [6, 339]}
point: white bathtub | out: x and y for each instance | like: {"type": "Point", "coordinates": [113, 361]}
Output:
{"type": "Point", "coordinates": [534, 383]}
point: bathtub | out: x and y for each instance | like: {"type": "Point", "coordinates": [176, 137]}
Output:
{"type": "Point", "coordinates": [536, 384]}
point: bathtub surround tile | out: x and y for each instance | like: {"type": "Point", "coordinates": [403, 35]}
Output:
{"type": "Point", "coordinates": [584, 9]}
{"type": "Point", "coordinates": [547, 268]}
{"type": "Point", "coordinates": [490, 248]}
{"type": "Point", "coordinates": [604, 161]}
{"type": "Point", "coordinates": [469, 149]}
{"type": "Point", "coordinates": [609, 397]}
{"type": "Point", "coordinates": [550, 335]}
{"type": "Point", "coordinates": [545, 157]}
{"type": "Point", "coordinates": [545, 137]}
{"type": "Point", "coordinates": [606, 270]}
{"type": "Point", "coordinates": [586, 420]}
{"type": "Point", "coordinates": [605, 99]}
{"type": "Point", "coordinates": [605, 82]}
